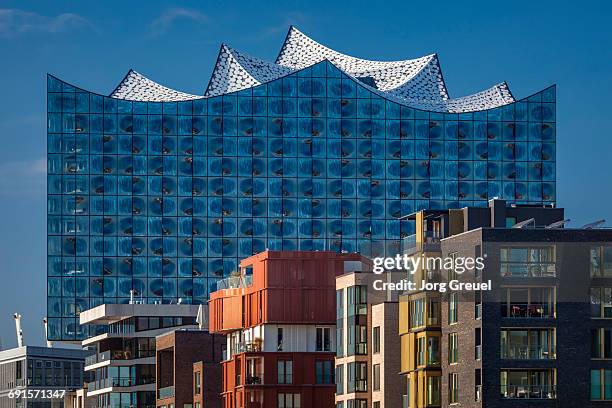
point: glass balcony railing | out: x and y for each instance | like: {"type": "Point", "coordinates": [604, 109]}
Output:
{"type": "Point", "coordinates": [165, 392]}
{"type": "Point", "coordinates": [528, 270]}
{"type": "Point", "coordinates": [528, 353]}
{"type": "Point", "coordinates": [118, 355]}
{"type": "Point", "coordinates": [431, 242]}
{"type": "Point", "coordinates": [529, 391]}
{"type": "Point", "coordinates": [234, 282]}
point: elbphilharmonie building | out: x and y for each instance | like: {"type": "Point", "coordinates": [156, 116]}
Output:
{"type": "Point", "coordinates": [160, 193]}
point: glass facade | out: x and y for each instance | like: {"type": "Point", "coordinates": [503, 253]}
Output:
{"type": "Point", "coordinates": [166, 198]}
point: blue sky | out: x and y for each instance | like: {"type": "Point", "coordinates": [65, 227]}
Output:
{"type": "Point", "coordinates": [530, 44]}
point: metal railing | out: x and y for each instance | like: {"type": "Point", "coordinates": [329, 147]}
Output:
{"type": "Point", "coordinates": [529, 391]}
{"type": "Point", "coordinates": [254, 379]}
{"type": "Point", "coordinates": [431, 242]}
{"type": "Point", "coordinates": [165, 392]}
{"type": "Point", "coordinates": [528, 352]}
{"type": "Point", "coordinates": [478, 392]}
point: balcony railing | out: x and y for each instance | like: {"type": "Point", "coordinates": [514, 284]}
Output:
{"type": "Point", "coordinates": [431, 242]}
{"type": "Point", "coordinates": [118, 355]}
{"type": "Point", "coordinates": [528, 352]}
{"type": "Point", "coordinates": [519, 310]}
{"type": "Point", "coordinates": [528, 270]}
{"type": "Point", "coordinates": [529, 391]}
{"type": "Point", "coordinates": [254, 379]}
{"type": "Point", "coordinates": [478, 352]}
{"type": "Point", "coordinates": [233, 282]}
{"type": "Point", "coordinates": [165, 392]}
{"type": "Point", "coordinates": [119, 382]}
{"type": "Point", "coordinates": [478, 392]}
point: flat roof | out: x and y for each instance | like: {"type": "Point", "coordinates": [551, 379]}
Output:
{"type": "Point", "coordinates": [111, 313]}
{"type": "Point", "coordinates": [49, 353]}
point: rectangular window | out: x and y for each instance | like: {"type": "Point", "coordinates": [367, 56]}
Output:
{"type": "Point", "coordinates": [376, 340]}
{"type": "Point", "coordinates": [452, 307]}
{"type": "Point", "coordinates": [521, 302]}
{"type": "Point", "coordinates": [324, 372]}
{"type": "Point", "coordinates": [357, 377]}
{"type": "Point", "coordinates": [433, 391]}
{"type": "Point", "coordinates": [279, 339]}
{"type": "Point", "coordinates": [197, 383]}
{"type": "Point", "coordinates": [601, 343]}
{"type": "Point", "coordinates": [376, 404]}
{"type": "Point", "coordinates": [524, 262]}
{"type": "Point", "coordinates": [528, 344]}
{"type": "Point", "coordinates": [323, 342]}
{"type": "Point", "coordinates": [453, 388]}
{"type": "Point", "coordinates": [417, 313]}
{"type": "Point", "coordinates": [376, 377]}
{"type": "Point", "coordinates": [453, 348]}
{"type": "Point", "coordinates": [601, 261]}
{"type": "Point", "coordinates": [289, 400]}
{"type": "Point", "coordinates": [420, 357]}
{"type": "Point", "coordinates": [433, 350]}
{"type": "Point", "coordinates": [340, 379]}
{"type": "Point", "coordinates": [285, 371]}
{"type": "Point", "coordinates": [534, 384]}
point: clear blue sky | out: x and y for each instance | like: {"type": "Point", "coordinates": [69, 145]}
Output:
{"type": "Point", "coordinates": [530, 44]}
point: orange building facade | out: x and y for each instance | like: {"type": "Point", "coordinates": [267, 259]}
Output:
{"type": "Point", "coordinates": [278, 315]}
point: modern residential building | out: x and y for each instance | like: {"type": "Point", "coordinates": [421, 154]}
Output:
{"type": "Point", "coordinates": [44, 373]}
{"type": "Point", "coordinates": [279, 319]}
{"type": "Point", "coordinates": [188, 364]}
{"type": "Point", "coordinates": [123, 368]}
{"type": "Point", "coordinates": [160, 193]}
{"type": "Point", "coordinates": [538, 337]}
{"type": "Point", "coordinates": [368, 345]}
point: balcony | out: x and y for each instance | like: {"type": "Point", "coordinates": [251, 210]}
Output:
{"type": "Point", "coordinates": [528, 270]}
{"type": "Point", "coordinates": [119, 382]}
{"type": "Point", "coordinates": [478, 352]}
{"type": "Point", "coordinates": [529, 391]}
{"type": "Point", "coordinates": [528, 353]}
{"type": "Point", "coordinates": [525, 310]}
{"type": "Point", "coordinates": [430, 243]}
{"type": "Point", "coordinates": [166, 392]}
{"type": "Point", "coordinates": [117, 355]}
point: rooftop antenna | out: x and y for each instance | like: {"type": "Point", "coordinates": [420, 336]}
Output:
{"type": "Point", "coordinates": [593, 225]}
{"type": "Point", "coordinates": [46, 323]}
{"type": "Point", "coordinates": [17, 318]}
{"type": "Point", "coordinates": [558, 224]}
{"type": "Point", "coordinates": [524, 223]}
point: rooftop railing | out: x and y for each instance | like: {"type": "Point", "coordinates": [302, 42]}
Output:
{"type": "Point", "coordinates": [234, 282]}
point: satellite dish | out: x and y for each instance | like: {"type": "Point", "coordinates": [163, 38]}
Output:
{"type": "Point", "coordinates": [524, 223]}
{"type": "Point", "coordinates": [558, 224]}
{"type": "Point", "coordinates": [594, 224]}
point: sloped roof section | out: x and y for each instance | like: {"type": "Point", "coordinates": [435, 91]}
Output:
{"type": "Point", "coordinates": [417, 83]}
{"type": "Point", "coordinates": [137, 87]}
{"type": "Point", "coordinates": [419, 78]}
{"type": "Point", "coordinates": [235, 71]}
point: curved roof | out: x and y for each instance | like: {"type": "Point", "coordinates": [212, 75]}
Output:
{"type": "Point", "coordinates": [417, 83]}
{"type": "Point", "coordinates": [235, 71]}
{"type": "Point", "coordinates": [137, 87]}
{"type": "Point", "coordinates": [419, 78]}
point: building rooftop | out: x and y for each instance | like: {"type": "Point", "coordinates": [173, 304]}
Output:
{"type": "Point", "coordinates": [417, 82]}
{"type": "Point", "coordinates": [43, 352]}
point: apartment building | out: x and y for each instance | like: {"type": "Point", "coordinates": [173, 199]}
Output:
{"type": "Point", "coordinates": [368, 346]}
{"type": "Point", "coordinates": [279, 318]}
{"type": "Point", "coordinates": [188, 369]}
{"type": "Point", "coordinates": [540, 337]}
{"type": "Point", "coordinates": [123, 367]}
{"type": "Point", "coordinates": [39, 377]}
